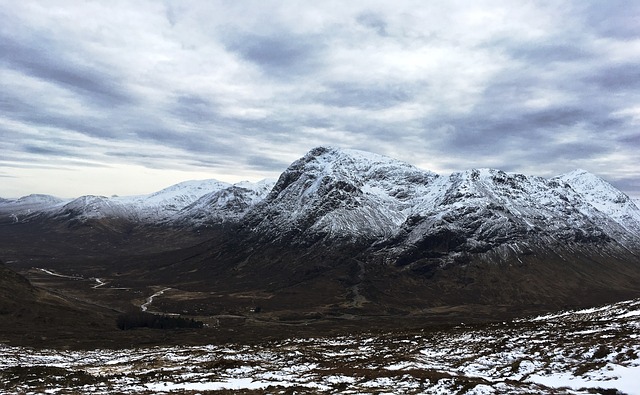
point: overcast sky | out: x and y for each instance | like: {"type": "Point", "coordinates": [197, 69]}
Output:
{"type": "Point", "coordinates": [128, 97]}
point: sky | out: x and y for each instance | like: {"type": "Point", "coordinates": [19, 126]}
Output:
{"type": "Point", "coordinates": [128, 97]}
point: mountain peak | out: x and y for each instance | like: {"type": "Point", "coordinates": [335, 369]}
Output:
{"type": "Point", "coordinates": [604, 197]}
{"type": "Point", "coordinates": [587, 183]}
{"type": "Point", "coordinates": [342, 192]}
{"type": "Point", "coordinates": [577, 173]}
{"type": "Point", "coordinates": [345, 156]}
{"type": "Point", "coordinates": [482, 173]}
{"type": "Point", "coordinates": [191, 187]}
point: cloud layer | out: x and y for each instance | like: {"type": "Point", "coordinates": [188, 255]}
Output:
{"type": "Point", "coordinates": [238, 90]}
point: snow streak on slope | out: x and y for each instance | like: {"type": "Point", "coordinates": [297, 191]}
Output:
{"type": "Point", "coordinates": [572, 352]}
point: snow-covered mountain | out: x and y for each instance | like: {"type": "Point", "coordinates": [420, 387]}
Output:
{"type": "Point", "coordinates": [354, 195]}
{"type": "Point", "coordinates": [151, 208]}
{"type": "Point", "coordinates": [18, 209]}
{"type": "Point", "coordinates": [167, 202]}
{"type": "Point", "coordinates": [159, 207]}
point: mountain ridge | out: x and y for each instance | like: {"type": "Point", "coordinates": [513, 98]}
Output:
{"type": "Point", "coordinates": [351, 195]}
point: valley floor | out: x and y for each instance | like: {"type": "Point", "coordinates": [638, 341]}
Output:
{"type": "Point", "coordinates": [575, 352]}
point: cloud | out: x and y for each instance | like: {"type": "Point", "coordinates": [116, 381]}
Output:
{"type": "Point", "coordinates": [194, 108]}
{"type": "Point", "coordinates": [614, 19]}
{"type": "Point", "coordinates": [282, 56]}
{"type": "Point", "coordinates": [242, 89]}
{"type": "Point", "coordinates": [41, 58]}
{"type": "Point", "coordinates": [366, 96]}
{"type": "Point", "coordinates": [373, 21]}
{"type": "Point", "coordinates": [40, 150]}
{"type": "Point", "coordinates": [616, 77]}
{"type": "Point", "coordinates": [548, 52]}
{"type": "Point", "coordinates": [264, 163]}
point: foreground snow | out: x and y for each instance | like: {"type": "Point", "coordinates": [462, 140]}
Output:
{"type": "Point", "coordinates": [577, 352]}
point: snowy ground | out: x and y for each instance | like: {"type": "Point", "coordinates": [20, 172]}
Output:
{"type": "Point", "coordinates": [579, 352]}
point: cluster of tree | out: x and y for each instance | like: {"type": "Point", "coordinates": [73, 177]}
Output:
{"type": "Point", "coordinates": [141, 319]}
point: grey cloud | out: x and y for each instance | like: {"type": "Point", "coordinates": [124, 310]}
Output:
{"type": "Point", "coordinates": [47, 151]}
{"type": "Point", "coordinates": [262, 162]}
{"type": "Point", "coordinates": [478, 139]}
{"type": "Point", "coordinates": [500, 121]}
{"type": "Point", "coordinates": [197, 142]}
{"type": "Point", "coordinates": [554, 117]}
{"type": "Point", "coordinates": [612, 18]}
{"type": "Point", "coordinates": [318, 122]}
{"type": "Point", "coordinates": [280, 55]}
{"type": "Point", "coordinates": [374, 22]}
{"type": "Point", "coordinates": [576, 150]}
{"type": "Point", "coordinates": [372, 132]}
{"type": "Point", "coordinates": [630, 139]}
{"type": "Point", "coordinates": [194, 109]}
{"type": "Point", "coordinates": [38, 112]}
{"type": "Point", "coordinates": [366, 96]}
{"type": "Point", "coordinates": [629, 184]}
{"type": "Point", "coordinates": [216, 160]}
{"type": "Point", "coordinates": [172, 12]}
{"type": "Point", "coordinates": [483, 130]}
{"type": "Point", "coordinates": [541, 104]}
{"type": "Point", "coordinates": [523, 138]}
{"type": "Point", "coordinates": [617, 77]}
{"type": "Point", "coordinates": [47, 60]}
{"type": "Point", "coordinates": [130, 154]}
{"type": "Point", "coordinates": [22, 160]}
{"type": "Point", "coordinates": [545, 52]}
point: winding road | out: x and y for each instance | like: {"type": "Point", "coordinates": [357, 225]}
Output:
{"type": "Point", "coordinates": [145, 306]}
